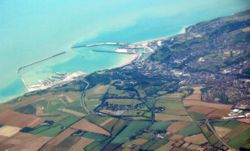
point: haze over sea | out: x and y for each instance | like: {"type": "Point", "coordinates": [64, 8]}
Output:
{"type": "Point", "coordinates": [31, 30]}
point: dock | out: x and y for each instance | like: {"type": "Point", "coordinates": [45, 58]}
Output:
{"type": "Point", "coordinates": [100, 44]}
{"type": "Point", "coordinates": [39, 61]}
{"type": "Point", "coordinates": [104, 51]}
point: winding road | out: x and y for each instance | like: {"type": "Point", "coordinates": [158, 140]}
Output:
{"type": "Point", "coordinates": [83, 97]}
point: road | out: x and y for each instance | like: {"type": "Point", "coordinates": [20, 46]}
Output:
{"type": "Point", "coordinates": [218, 137]}
{"type": "Point", "coordinates": [83, 97]}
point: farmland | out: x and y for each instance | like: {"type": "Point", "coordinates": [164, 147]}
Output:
{"type": "Point", "coordinates": [179, 98]}
{"type": "Point", "coordinates": [164, 122]}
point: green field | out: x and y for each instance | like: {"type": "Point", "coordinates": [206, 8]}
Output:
{"type": "Point", "coordinates": [92, 104]}
{"type": "Point", "coordinates": [227, 123]}
{"type": "Point", "coordinates": [28, 109]}
{"type": "Point", "coordinates": [197, 116]}
{"type": "Point", "coordinates": [52, 131]}
{"type": "Point", "coordinates": [75, 106]}
{"type": "Point", "coordinates": [131, 130]}
{"type": "Point", "coordinates": [96, 119]}
{"type": "Point", "coordinates": [96, 92]}
{"type": "Point", "coordinates": [68, 142]}
{"type": "Point", "coordinates": [53, 106]}
{"type": "Point", "coordinates": [171, 97]}
{"type": "Point", "coordinates": [92, 146]}
{"type": "Point", "coordinates": [189, 130]}
{"type": "Point", "coordinates": [66, 122]}
{"type": "Point", "coordinates": [113, 90]}
{"type": "Point", "coordinates": [241, 139]}
{"type": "Point", "coordinates": [94, 136]}
{"type": "Point", "coordinates": [160, 126]}
{"type": "Point", "coordinates": [153, 144]}
{"type": "Point", "coordinates": [123, 101]}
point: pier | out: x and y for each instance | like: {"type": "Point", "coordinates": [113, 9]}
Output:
{"type": "Point", "coordinates": [53, 81]}
{"type": "Point", "coordinates": [39, 61]}
{"type": "Point", "coordinates": [100, 44]}
{"type": "Point", "coordinates": [104, 51]}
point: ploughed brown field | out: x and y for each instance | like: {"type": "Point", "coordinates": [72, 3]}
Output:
{"type": "Point", "coordinates": [176, 126]}
{"type": "Point", "coordinates": [23, 141]}
{"type": "Point", "coordinates": [58, 139]}
{"type": "Point", "coordinates": [196, 139]}
{"type": "Point", "coordinates": [201, 110]}
{"type": "Point", "coordinates": [13, 118]}
{"type": "Point", "coordinates": [207, 105]}
{"type": "Point", "coordinates": [85, 125]}
{"type": "Point", "coordinates": [82, 143]}
{"type": "Point", "coordinates": [247, 120]}
{"type": "Point", "coordinates": [211, 110]}
{"type": "Point", "coordinates": [106, 122]}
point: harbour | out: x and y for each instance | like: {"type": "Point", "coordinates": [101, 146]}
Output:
{"type": "Point", "coordinates": [39, 61]}
{"type": "Point", "coordinates": [35, 35]}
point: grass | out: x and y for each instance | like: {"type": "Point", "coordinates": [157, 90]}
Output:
{"type": "Point", "coordinates": [55, 116]}
{"type": "Point", "coordinates": [123, 101]}
{"type": "Point", "coordinates": [189, 130]}
{"type": "Point", "coordinates": [97, 91]}
{"type": "Point", "coordinates": [41, 103]}
{"type": "Point", "coordinates": [66, 122]}
{"type": "Point", "coordinates": [51, 132]}
{"type": "Point", "coordinates": [171, 97]}
{"type": "Point", "coordinates": [113, 90]}
{"type": "Point", "coordinates": [227, 123]}
{"type": "Point", "coordinates": [156, 144]}
{"type": "Point", "coordinates": [74, 106]}
{"type": "Point", "coordinates": [39, 129]}
{"type": "Point", "coordinates": [118, 126]}
{"type": "Point", "coordinates": [69, 141]}
{"type": "Point", "coordinates": [55, 129]}
{"type": "Point", "coordinates": [174, 105]}
{"type": "Point", "coordinates": [92, 104]}
{"type": "Point", "coordinates": [96, 119]}
{"type": "Point", "coordinates": [28, 109]}
{"type": "Point", "coordinates": [148, 144]}
{"type": "Point", "coordinates": [153, 144]}
{"type": "Point", "coordinates": [168, 117]}
{"type": "Point", "coordinates": [95, 136]}
{"type": "Point", "coordinates": [53, 106]}
{"type": "Point", "coordinates": [241, 139]}
{"type": "Point", "coordinates": [197, 116]}
{"type": "Point", "coordinates": [137, 141]}
{"type": "Point", "coordinates": [131, 130]}
{"type": "Point", "coordinates": [92, 146]}
{"type": "Point", "coordinates": [160, 126]}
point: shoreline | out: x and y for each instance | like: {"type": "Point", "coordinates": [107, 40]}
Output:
{"type": "Point", "coordinates": [127, 60]}
{"type": "Point", "coordinates": [123, 62]}
{"type": "Point", "coordinates": [181, 31]}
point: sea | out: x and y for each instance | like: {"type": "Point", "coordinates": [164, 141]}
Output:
{"type": "Point", "coordinates": [31, 30]}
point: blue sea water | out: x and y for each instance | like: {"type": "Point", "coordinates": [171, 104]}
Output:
{"type": "Point", "coordinates": [31, 30]}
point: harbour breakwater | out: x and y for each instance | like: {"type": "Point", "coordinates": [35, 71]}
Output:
{"type": "Point", "coordinates": [100, 44]}
{"type": "Point", "coordinates": [118, 52]}
{"type": "Point", "coordinates": [39, 61]}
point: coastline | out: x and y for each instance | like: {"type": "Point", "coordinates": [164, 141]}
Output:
{"type": "Point", "coordinates": [123, 62]}
{"type": "Point", "coordinates": [127, 60]}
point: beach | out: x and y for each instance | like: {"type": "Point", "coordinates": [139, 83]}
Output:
{"type": "Point", "coordinates": [127, 60]}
